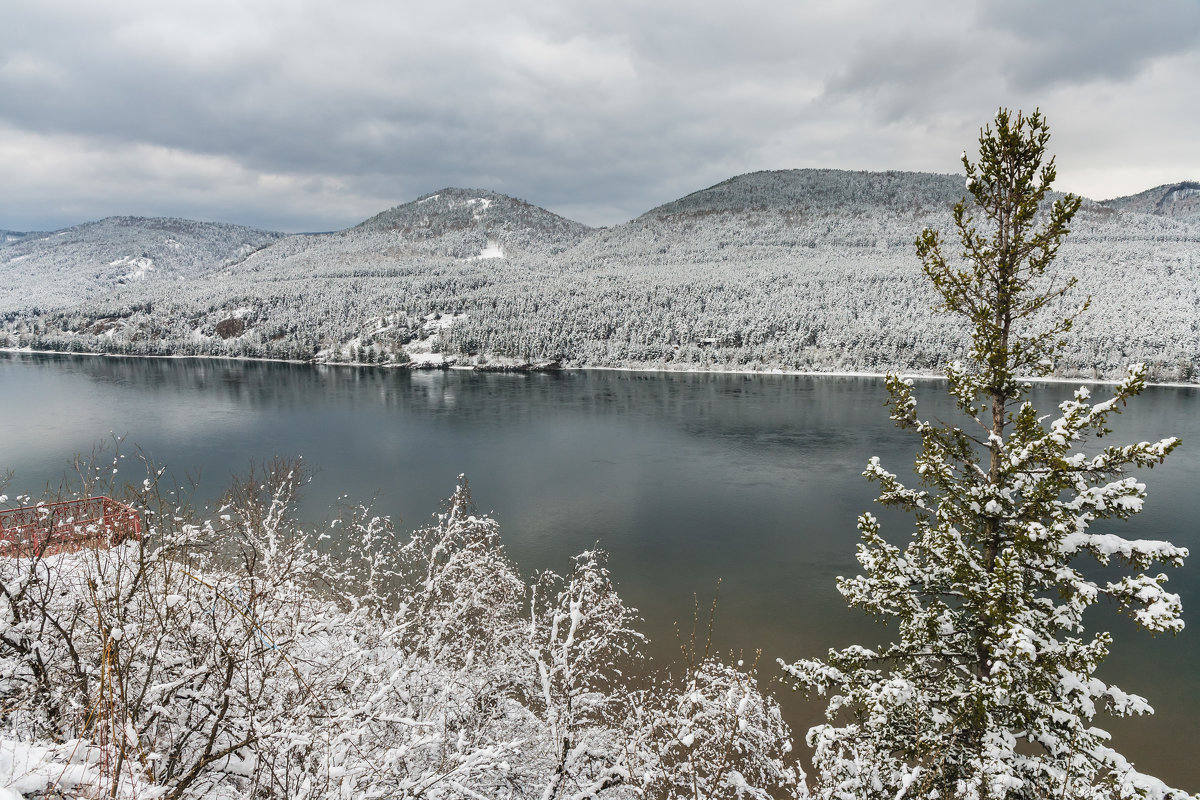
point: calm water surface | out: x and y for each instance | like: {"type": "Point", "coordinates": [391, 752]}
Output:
{"type": "Point", "coordinates": [684, 479]}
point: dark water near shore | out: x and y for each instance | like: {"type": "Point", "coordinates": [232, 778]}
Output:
{"type": "Point", "coordinates": [684, 479]}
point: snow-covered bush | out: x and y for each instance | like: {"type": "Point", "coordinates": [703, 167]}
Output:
{"type": "Point", "coordinates": [247, 655]}
{"type": "Point", "coordinates": [716, 735]}
{"type": "Point", "coordinates": [583, 644]}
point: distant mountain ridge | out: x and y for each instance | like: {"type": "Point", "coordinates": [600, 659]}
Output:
{"type": "Point", "coordinates": [82, 261]}
{"type": "Point", "coordinates": [8, 237]}
{"type": "Point", "coordinates": [791, 269]}
{"type": "Point", "coordinates": [823, 189]}
{"type": "Point", "coordinates": [1174, 200]}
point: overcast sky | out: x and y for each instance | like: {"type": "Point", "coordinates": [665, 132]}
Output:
{"type": "Point", "coordinates": [308, 115]}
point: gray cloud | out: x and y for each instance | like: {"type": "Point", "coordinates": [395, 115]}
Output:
{"type": "Point", "coordinates": [1080, 41]}
{"type": "Point", "coordinates": [295, 114]}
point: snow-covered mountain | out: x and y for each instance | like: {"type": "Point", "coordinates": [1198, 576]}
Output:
{"type": "Point", "coordinates": [1175, 200]}
{"type": "Point", "coordinates": [65, 267]}
{"type": "Point", "coordinates": [800, 269]}
{"type": "Point", "coordinates": [456, 220]}
{"type": "Point", "coordinates": [819, 191]}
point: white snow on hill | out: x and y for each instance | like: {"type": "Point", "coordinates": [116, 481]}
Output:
{"type": "Point", "coordinates": [799, 269]}
{"type": "Point", "coordinates": [492, 250]}
{"type": "Point", "coordinates": [90, 260]}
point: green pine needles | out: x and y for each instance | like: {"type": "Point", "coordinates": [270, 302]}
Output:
{"type": "Point", "coordinates": [989, 690]}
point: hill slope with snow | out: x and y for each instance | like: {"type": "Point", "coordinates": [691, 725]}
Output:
{"type": "Point", "coordinates": [798, 269]}
{"type": "Point", "coordinates": [1174, 200]}
{"type": "Point", "coordinates": [66, 267]}
{"type": "Point", "coordinates": [818, 190]}
{"type": "Point", "coordinates": [464, 215]}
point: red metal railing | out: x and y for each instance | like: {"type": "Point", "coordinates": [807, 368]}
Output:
{"type": "Point", "coordinates": [71, 525]}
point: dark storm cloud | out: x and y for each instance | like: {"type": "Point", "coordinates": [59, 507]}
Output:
{"type": "Point", "coordinates": [921, 61]}
{"type": "Point", "coordinates": [302, 114]}
{"type": "Point", "coordinates": [1078, 41]}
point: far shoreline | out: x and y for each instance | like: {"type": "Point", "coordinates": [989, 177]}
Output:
{"type": "Point", "coordinates": [533, 369]}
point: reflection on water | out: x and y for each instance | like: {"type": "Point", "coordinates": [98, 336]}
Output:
{"type": "Point", "coordinates": [683, 478]}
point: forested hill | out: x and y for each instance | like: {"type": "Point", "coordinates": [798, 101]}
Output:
{"type": "Point", "coordinates": [1175, 200]}
{"type": "Point", "coordinates": [460, 216]}
{"type": "Point", "coordinates": [66, 267]}
{"type": "Point", "coordinates": [800, 269]}
{"type": "Point", "coordinates": [819, 190]}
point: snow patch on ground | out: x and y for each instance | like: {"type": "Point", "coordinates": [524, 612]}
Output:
{"type": "Point", "coordinates": [483, 204]}
{"type": "Point", "coordinates": [426, 359]}
{"type": "Point", "coordinates": [436, 323]}
{"type": "Point", "coordinates": [421, 351]}
{"type": "Point", "coordinates": [493, 250]}
{"type": "Point", "coordinates": [35, 768]}
{"type": "Point", "coordinates": [140, 266]}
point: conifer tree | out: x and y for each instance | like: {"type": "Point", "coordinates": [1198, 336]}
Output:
{"type": "Point", "coordinates": [989, 690]}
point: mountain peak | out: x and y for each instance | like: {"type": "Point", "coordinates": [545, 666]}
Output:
{"type": "Point", "coordinates": [818, 189]}
{"type": "Point", "coordinates": [455, 209]}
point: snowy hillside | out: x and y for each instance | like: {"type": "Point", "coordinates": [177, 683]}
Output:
{"type": "Point", "coordinates": [49, 270]}
{"type": "Point", "coordinates": [456, 219]}
{"type": "Point", "coordinates": [801, 269]}
{"type": "Point", "coordinates": [9, 237]}
{"type": "Point", "coordinates": [819, 190]}
{"type": "Point", "coordinates": [1175, 200]}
